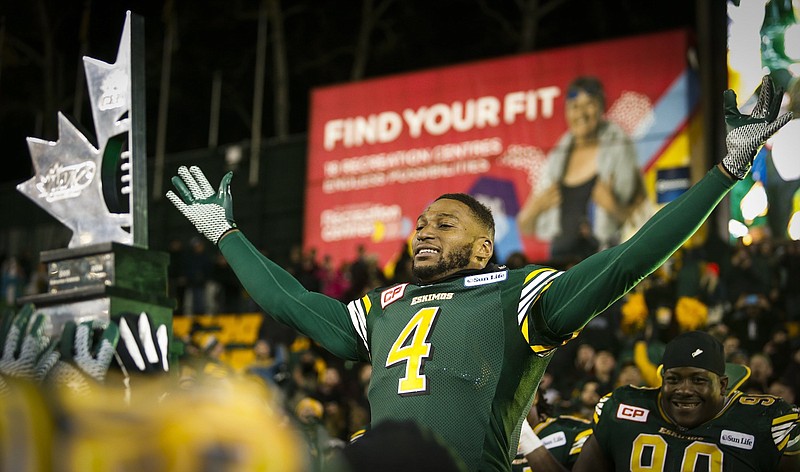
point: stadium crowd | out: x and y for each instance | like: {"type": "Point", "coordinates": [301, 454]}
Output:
{"type": "Point", "coordinates": [741, 294]}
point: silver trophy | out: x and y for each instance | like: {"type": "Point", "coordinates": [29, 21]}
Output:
{"type": "Point", "coordinates": [100, 193]}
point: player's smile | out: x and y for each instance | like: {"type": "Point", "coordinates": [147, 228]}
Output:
{"type": "Point", "coordinates": [425, 253]}
{"type": "Point", "coordinates": [688, 404]}
{"type": "Point", "coordinates": [691, 396]}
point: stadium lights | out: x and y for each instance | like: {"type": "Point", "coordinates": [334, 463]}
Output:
{"type": "Point", "coordinates": [793, 227]}
{"type": "Point", "coordinates": [754, 203]}
{"type": "Point", "coordinates": [737, 229]}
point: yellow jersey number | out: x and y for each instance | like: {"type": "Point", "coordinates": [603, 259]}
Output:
{"type": "Point", "coordinates": [412, 346]}
{"type": "Point", "coordinates": [649, 453]}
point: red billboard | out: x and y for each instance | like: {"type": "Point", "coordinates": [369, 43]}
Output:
{"type": "Point", "coordinates": [381, 150]}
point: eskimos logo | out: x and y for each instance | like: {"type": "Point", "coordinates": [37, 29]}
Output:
{"type": "Point", "coordinates": [432, 297]}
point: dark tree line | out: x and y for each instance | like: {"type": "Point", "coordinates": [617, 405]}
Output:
{"type": "Point", "coordinates": [276, 51]}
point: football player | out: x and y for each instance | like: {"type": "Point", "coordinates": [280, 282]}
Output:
{"type": "Point", "coordinates": [462, 348]}
{"type": "Point", "coordinates": [548, 438]}
{"type": "Point", "coordinates": [692, 422]}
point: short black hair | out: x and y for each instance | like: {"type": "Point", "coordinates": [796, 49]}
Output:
{"type": "Point", "coordinates": [481, 211]}
{"type": "Point", "coordinates": [589, 85]}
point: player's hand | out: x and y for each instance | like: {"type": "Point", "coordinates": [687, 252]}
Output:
{"type": "Point", "coordinates": [84, 359]}
{"type": "Point", "coordinates": [143, 347]}
{"type": "Point", "coordinates": [528, 440]}
{"type": "Point", "coordinates": [26, 351]}
{"type": "Point", "coordinates": [747, 133]}
{"type": "Point", "coordinates": [209, 211]}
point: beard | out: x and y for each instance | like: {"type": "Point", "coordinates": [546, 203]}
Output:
{"type": "Point", "coordinates": [457, 259]}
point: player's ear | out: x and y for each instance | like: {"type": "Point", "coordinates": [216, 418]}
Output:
{"type": "Point", "coordinates": [485, 249]}
{"type": "Point", "coordinates": [723, 385]}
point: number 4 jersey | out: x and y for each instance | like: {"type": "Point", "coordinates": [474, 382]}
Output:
{"type": "Point", "coordinates": [456, 354]}
{"type": "Point", "coordinates": [750, 433]}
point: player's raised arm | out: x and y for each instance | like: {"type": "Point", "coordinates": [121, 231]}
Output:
{"type": "Point", "coordinates": [591, 286]}
{"type": "Point", "coordinates": [323, 319]}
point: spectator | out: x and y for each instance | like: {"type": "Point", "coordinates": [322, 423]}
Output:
{"type": "Point", "coordinates": [752, 321]}
{"type": "Point", "coordinates": [197, 269]}
{"type": "Point", "coordinates": [309, 414]}
{"type": "Point", "coordinates": [12, 281]}
{"type": "Point", "coordinates": [790, 274]}
{"type": "Point", "coordinates": [334, 281]}
{"type": "Point", "coordinates": [516, 260]}
{"type": "Point", "coordinates": [629, 374]}
{"type": "Point", "coordinates": [584, 400]}
{"type": "Point", "coordinates": [779, 388]}
{"type": "Point", "coordinates": [571, 374]}
{"type": "Point", "coordinates": [603, 371]}
{"type": "Point", "coordinates": [330, 393]}
{"type": "Point", "coordinates": [761, 374]}
{"type": "Point", "coordinates": [224, 291]}
{"type": "Point", "coordinates": [270, 368]}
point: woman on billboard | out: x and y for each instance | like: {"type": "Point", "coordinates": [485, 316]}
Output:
{"type": "Point", "coordinates": [591, 181]}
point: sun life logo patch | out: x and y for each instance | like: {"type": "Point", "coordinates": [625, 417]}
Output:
{"type": "Point", "coordinates": [555, 440]}
{"type": "Point", "coordinates": [483, 279]}
{"type": "Point", "coordinates": [737, 439]}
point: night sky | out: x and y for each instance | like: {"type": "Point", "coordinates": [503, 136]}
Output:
{"type": "Point", "coordinates": [41, 49]}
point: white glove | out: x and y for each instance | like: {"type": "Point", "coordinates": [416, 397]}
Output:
{"type": "Point", "coordinates": [209, 211]}
{"type": "Point", "coordinates": [747, 133]}
{"type": "Point", "coordinates": [528, 440]}
{"type": "Point", "coordinates": [83, 361]}
{"type": "Point", "coordinates": [26, 351]}
{"type": "Point", "coordinates": [142, 349]}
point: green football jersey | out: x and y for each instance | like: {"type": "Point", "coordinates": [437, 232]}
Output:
{"type": "Point", "coordinates": [750, 433]}
{"type": "Point", "coordinates": [563, 436]}
{"type": "Point", "coordinates": [455, 354]}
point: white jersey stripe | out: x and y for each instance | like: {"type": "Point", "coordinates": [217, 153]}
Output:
{"type": "Point", "coordinates": [359, 321]}
{"type": "Point", "coordinates": [532, 290]}
{"type": "Point", "coordinates": [780, 432]}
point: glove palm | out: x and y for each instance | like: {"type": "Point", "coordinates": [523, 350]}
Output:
{"type": "Point", "coordinates": [26, 351]}
{"type": "Point", "coordinates": [84, 361]}
{"type": "Point", "coordinates": [211, 212]}
{"type": "Point", "coordinates": [747, 133]}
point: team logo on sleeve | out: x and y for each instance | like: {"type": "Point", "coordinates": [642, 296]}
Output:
{"type": "Point", "coordinates": [632, 413]}
{"type": "Point", "coordinates": [392, 294]}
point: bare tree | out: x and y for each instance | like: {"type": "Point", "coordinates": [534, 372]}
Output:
{"type": "Point", "coordinates": [531, 13]}
{"type": "Point", "coordinates": [280, 70]}
{"type": "Point", "coordinates": [370, 15]}
{"type": "Point", "coordinates": [47, 62]}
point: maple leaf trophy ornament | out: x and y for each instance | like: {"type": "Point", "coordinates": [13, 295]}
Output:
{"type": "Point", "coordinates": [91, 189]}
